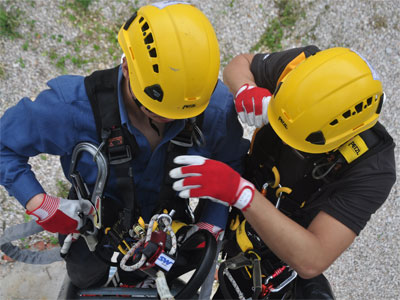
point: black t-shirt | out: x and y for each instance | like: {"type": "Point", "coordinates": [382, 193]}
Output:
{"type": "Point", "coordinates": [365, 185]}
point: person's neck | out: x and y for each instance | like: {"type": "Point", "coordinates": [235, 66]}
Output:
{"type": "Point", "coordinates": [135, 114]}
{"type": "Point", "coordinates": [140, 120]}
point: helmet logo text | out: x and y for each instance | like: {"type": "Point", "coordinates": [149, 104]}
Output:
{"type": "Point", "coordinates": [188, 106]}
{"type": "Point", "coordinates": [282, 121]}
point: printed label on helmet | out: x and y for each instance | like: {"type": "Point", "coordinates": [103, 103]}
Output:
{"type": "Point", "coordinates": [283, 122]}
{"type": "Point", "coordinates": [375, 75]}
{"type": "Point", "coordinates": [188, 106]}
{"type": "Point", "coordinates": [163, 4]}
{"type": "Point", "coordinates": [165, 262]}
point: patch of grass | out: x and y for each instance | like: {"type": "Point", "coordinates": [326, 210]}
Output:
{"type": "Point", "coordinates": [83, 4]}
{"type": "Point", "coordinates": [288, 13]}
{"type": "Point", "coordinates": [27, 218]}
{"type": "Point", "coordinates": [9, 22]}
{"type": "Point", "coordinates": [25, 46]}
{"type": "Point", "coordinates": [53, 240]}
{"type": "Point", "coordinates": [379, 22]}
{"type": "Point", "coordinates": [2, 72]}
{"type": "Point", "coordinates": [63, 189]}
{"type": "Point", "coordinates": [21, 62]}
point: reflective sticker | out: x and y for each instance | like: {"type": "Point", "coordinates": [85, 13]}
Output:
{"type": "Point", "coordinates": [165, 262]}
{"type": "Point", "coordinates": [265, 56]}
{"type": "Point", "coordinates": [164, 4]}
{"type": "Point", "coordinates": [375, 75]}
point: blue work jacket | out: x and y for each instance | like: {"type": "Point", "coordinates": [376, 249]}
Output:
{"type": "Point", "coordinates": [61, 117]}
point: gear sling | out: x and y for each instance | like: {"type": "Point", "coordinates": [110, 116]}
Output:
{"type": "Point", "coordinates": [120, 147]}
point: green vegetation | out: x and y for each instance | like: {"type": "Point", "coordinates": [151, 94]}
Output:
{"type": "Point", "coordinates": [9, 22]}
{"type": "Point", "coordinates": [53, 240]}
{"type": "Point", "coordinates": [21, 62]}
{"type": "Point", "coordinates": [63, 189]}
{"type": "Point", "coordinates": [27, 218]}
{"type": "Point", "coordinates": [2, 72]}
{"type": "Point", "coordinates": [288, 13]}
{"type": "Point", "coordinates": [379, 22]}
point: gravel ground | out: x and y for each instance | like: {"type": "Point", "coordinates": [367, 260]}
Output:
{"type": "Point", "coordinates": [369, 269]}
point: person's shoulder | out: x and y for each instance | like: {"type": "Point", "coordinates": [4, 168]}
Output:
{"type": "Point", "coordinates": [69, 87]}
{"type": "Point", "coordinates": [221, 99]}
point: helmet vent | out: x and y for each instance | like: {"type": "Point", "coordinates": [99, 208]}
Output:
{"type": "Point", "coordinates": [347, 114]}
{"type": "Point", "coordinates": [153, 52]}
{"type": "Point", "coordinates": [148, 39]}
{"type": "Point", "coordinates": [316, 138]}
{"type": "Point", "coordinates": [155, 68]}
{"type": "Point", "coordinates": [378, 110]}
{"type": "Point", "coordinates": [334, 122]}
{"type": "Point", "coordinates": [145, 27]}
{"type": "Point", "coordinates": [359, 107]}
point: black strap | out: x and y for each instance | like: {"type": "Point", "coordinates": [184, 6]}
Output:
{"type": "Point", "coordinates": [120, 146]}
{"type": "Point", "coordinates": [179, 145]}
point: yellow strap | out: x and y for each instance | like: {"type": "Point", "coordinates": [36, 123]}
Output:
{"type": "Point", "coordinates": [234, 223]}
{"type": "Point", "coordinates": [242, 238]}
{"type": "Point", "coordinates": [141, 222]}
{"type": "Point", "coordinates": [176, 225]}
{"type": "Point", "coordinates": [353, 149]}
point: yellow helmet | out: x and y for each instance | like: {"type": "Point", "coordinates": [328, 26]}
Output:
{"type": "Point", "coordinates": [173, 58]}
{"type": "Point", "coordinates": [325, 101]}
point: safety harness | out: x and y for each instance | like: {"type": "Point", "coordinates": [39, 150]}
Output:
{"type": "Point", "coordinates": [287, 188]}
{"type": "Point", "coordinates": [120, 147]}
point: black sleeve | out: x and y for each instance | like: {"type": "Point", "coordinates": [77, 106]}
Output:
{"type": "Point", "coordinates": [363, 190]}
{"type": "Point", "coordinates": [267, 68]}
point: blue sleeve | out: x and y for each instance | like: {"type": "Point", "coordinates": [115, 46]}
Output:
{"type": "Point", "coordinates": [45, 125]}
{"type": "Point", "coordinates": [225, 143]}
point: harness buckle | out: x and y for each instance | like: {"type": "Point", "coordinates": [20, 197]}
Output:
{"type": "Point", "coordinates": [183, 140]}
{"type": "Point", "coordinates": [119, 154]}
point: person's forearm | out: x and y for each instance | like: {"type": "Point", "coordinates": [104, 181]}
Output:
{"type": "Point", "coordinates": [292, 243]}
{"type": "Point", "coordinates": [34, 202]}
{"type": "Point", "coordinates": [237, 72]}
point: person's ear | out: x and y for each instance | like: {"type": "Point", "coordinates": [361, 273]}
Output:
{"type": "Point", "coordinates": [125, 70]}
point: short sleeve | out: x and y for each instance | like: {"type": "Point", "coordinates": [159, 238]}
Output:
{"type": "Point", "coordinates": [362, 191]}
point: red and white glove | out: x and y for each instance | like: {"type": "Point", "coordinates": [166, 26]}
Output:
{"type": "Point", "coordinates": [251, 104]}
{"type": "Point", "coordinates": [61, 215]}
{"type": "Point", "coordinates": [213, 229]}
{"type": "Point", "coordinates": [207, 178]}
{"type": "Point", "coordinates": [187, 231]}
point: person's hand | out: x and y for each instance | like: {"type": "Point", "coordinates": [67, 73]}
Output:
{"type": "Point", "coordinates": [211, 179]}
{"type": "Point", "coordinates": [251, 103]}
{"type": "Point", "coordinates": [61, 215]}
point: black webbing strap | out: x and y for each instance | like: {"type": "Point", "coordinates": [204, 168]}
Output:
{"type": "Point", "coordinates": [102, 90]}
{"type": "Point", "coordinates": [179, 145]}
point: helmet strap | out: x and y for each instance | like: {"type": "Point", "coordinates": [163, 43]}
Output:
{"type": "Point", "coordinates": [152, 125]}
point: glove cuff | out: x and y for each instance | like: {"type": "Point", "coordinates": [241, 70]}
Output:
{"type": "Point", "coordinates": [47, 208]}
{"type": "Point", "coordinates": [244, 195]}
{"type": "Point", "coordinates": [243, 88]}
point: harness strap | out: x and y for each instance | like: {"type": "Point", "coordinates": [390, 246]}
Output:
{"type": "Point", "coordinates": [179, 145]}
{"type": "Point", "coordinates": [102, 90]}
